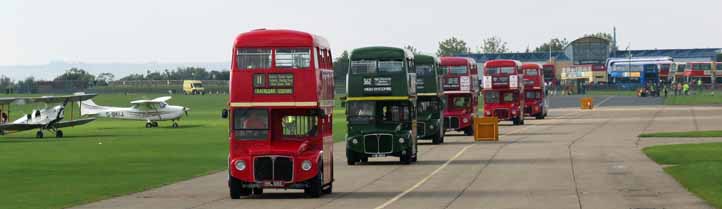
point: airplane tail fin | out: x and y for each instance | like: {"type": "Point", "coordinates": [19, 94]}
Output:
{"type": "Point", "coordinates": [88, 107]}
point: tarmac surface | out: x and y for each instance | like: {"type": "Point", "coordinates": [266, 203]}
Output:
{"type": "Point", "coordinates": [573, 159]}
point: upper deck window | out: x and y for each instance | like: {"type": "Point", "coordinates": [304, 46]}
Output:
{"type": "Point", "coordinates": [363, 67]}
{"type": "Point", "coordinates": [390, 66]}
{"type": "Point", "coordinates": [681, 67]}
{"type": "Point", "coordinates": [253, 58]}
{"type": "Point", "coordinates": [627, 67]}
{"type": "Point", "coordinates": [701, 66]}
{"type": "Point", "coordinates": [531, 72]}
{"type": "Point", "coordinates": [294, 58]}
{"type": "Point", "coordinates": [500, 70]}
{"type": "Point", "coordinates": [457, 70]}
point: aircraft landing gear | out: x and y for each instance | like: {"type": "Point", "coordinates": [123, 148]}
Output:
{"type": "Point", "coordinates": [39, 134]}
{"type": "Point", "coordinates": [58, 134]}
{"type": "Point", "coordinates": [175, 124]}
{"type": "Point", "coordinates": [150, 124]}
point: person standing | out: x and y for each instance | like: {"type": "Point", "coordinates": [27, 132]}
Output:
{"type": "Point", "coordinates": [699, 86]}
{"type": "Point", "coordinates": [685, 89]}
{"type": "Point", "coordinates": [665, 89]}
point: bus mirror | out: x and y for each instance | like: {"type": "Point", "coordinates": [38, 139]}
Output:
{"type": "Point", "coordinates": [224, 113]}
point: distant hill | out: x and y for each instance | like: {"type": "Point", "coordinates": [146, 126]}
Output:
{"type": "Point", "coordinates": [54, 69]}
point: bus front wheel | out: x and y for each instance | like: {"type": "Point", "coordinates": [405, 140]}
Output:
{"type": "Point", "coordinates": [235, 188]}
{"type": "Point", "coordinates": [315, 185]}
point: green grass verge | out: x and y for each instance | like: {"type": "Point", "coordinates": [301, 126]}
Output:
{"type": "Point", "coordinates": [714, 133]}
{"type": "Point", "coordinates": [706, 98]}
{"type": "Point", "coordinates": [109, 158]}
{"type": "Point", "coordinates": [698, 167]}
{"type": "Point", "coordinates": [611, 93]}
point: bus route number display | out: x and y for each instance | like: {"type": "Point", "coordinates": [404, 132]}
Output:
{"type": "Point", "coordinates": [377, 85]}
{"type": "Point", "coordinates": [277, 84]}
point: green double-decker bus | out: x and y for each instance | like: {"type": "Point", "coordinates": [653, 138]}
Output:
{"type": "Point", "coordinates": [430, 101]}
{"type": "Point", "coordinates": [381, 104]}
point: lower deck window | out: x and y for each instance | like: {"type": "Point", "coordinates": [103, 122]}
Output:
{"type": "Point", "coordinates": [249, 124]}
{"type": "Point", "coordinates": [299, 125]}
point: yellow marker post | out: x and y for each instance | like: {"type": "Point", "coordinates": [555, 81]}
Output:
{"type": "Point", "coordinates": [586, 103]}
{"type": "Point", "coordinates": [486, 129]}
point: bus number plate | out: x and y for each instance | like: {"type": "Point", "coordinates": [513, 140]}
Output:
{"type": "Point", "coordinates": [273, 183]}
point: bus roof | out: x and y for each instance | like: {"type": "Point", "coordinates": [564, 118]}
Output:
{"type": "Point", "coordinates": [499, 63]}
{"type": "Point", "coordinates": [422, 59]}
{"type": "Point", "coordinates": [456, 61]}
{"type": "Point", "coordinates": [380, 52]}
{"type": "Point", "coordinates": [279, 38]}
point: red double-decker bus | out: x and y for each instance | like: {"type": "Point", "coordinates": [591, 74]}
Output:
{"type": "Point", "coordinates": [550, 73]}
{"type": "Point", "coordinates": [503, 90]}
{"type": "Point", "coordinates": [461, 87]}
{"type": "Point", "coordinates": [698, 71]}
{"type": "Point", "coordinates": [534, 91]}
{"type": "Point", "coordinates": [280, 117]}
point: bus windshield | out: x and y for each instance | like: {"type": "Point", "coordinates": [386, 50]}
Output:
{"type": "Point", "coordinates": [424, 70]}
{"type": "Point", "coordinates": [461, 102]}
{"type": "Point", "coordinates": [299, 125]}
{"type": "Point", "coordinates": [533, 95]}
{"type": "Point", "coordinates": [491, 97]}
{"type": "Point", "coordinates": [457, 70]}
{"type": "Point", "coordinates": [428, 106]}
{"type": "Point", "coordinates": [499, 70]}
{"type": "Point", "coordinates": [250, 124]}
{"type": "Point", "coordinates": [360, 112]}
{"type": "Point", "coordinates": [531, 72]}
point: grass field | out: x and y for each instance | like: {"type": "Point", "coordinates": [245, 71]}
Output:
{"type": "Point", "coordinates": [109, 158]}
{"type": "Point", "coordinates": [706, 98]}
{"type": "Point", "coordinates": [611, 93]}
{"type": "Point", "coordinates": [712, 133]}
{"type": "Point", "coordinates": [698, 167]}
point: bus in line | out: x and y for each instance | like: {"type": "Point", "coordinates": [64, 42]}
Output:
{"type": "Point", "coordinates": [280, 113]}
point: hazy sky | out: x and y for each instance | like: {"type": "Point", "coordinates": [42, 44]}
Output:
{"type": "Point", "coordinates": [40, 31]}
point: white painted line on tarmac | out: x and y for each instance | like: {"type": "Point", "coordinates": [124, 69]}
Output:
{"type": "Point", "coordinates": [605, 100]}
{"type": "Point", "coordinates": [425, 179]}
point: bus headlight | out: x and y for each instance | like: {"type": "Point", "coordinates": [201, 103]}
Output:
{"type": "Point", "coordinates": [431, 126]}
{"type": "Point", "coordinates": [240, 165]}
{"type": "Point", "coordinates": [354, 141]}
{"type": "Point", "coordinates": [306, 165]}
{"type": "Point", "coordinates": [466, 120]}
{"type": "Point", "coordinates": [402, 140]}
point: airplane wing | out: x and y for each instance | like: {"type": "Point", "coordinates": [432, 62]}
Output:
{"type": "Point", "coordinates": [12, 127]}
{"type": "Point", "coordinates": [56, 99]}
{"type": "Point", "coordinates": [69, 123]}
{"type": "Point", "coordinates": [7, 100]}
{"type": "Point", "coordinates": [156, 100]}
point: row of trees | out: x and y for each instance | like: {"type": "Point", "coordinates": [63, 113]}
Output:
{"type": "Point", "coordinates": [187, 73]}
{"type": "Point", "coordinates": [454, 46]}
{"type": "Point", "coordinates": [495, 44]}
{"type": "Point", "coordinates": [80, 79]}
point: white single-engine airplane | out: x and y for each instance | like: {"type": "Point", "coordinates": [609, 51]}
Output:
{"type": "Point", "coordinates": [150, 111]}
{"type": "Point", "coordinates": [43, 119]}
